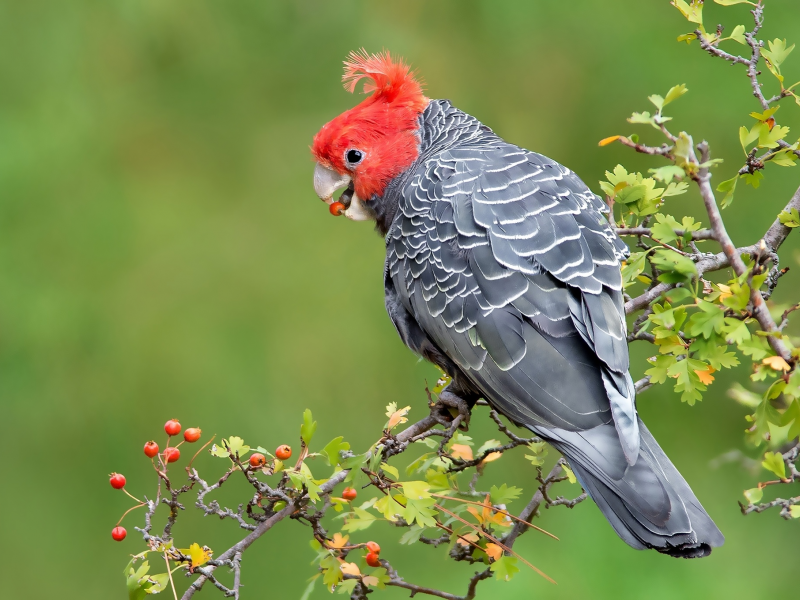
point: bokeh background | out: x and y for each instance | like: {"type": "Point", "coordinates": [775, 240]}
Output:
{"type": "Point", "coordinates": [162, 254]}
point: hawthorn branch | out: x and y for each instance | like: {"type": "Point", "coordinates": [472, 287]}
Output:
{"type": "Point", "coordinates": [703, 234]}
{"type": "Point", "coordinates": [760, 310]}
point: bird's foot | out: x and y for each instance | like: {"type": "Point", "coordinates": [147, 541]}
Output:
{"type": "Point", "coordinates": [451, 407]}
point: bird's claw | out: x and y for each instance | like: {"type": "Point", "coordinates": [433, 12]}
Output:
{"type": "Point", "coordinates": [451, 406]}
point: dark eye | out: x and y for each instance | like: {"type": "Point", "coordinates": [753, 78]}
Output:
{"type": "Point", "coordinates": [354, 156]}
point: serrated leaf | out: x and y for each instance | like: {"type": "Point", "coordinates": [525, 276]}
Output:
{"type": "Point", "coordinates": [308, 428]}
{"type": "Point", "coordinates": [794, 511]}
{"type": "Point", "coordinates": [504, 494]}
{"type": "Point", "coordinates": [708, 320]}
{"type": "Point", "coordinates": [789, 219]}
{"type": "Point", "coordinates": [737, 35]}
{"type": "Point", "coordinates": [362, 520]}
{"type": "Point", "coordinates": [237, 446]}
{"type": "Point", "coordinates": [505, 568]}
{"type": "Point", "coordinates": [773, 461]}
{"type": "Point", "coordinates": [776, 363]}
{"type": "Point", "coordinates": [331, 451]}
{"type": "Point", "coordinates": [777, 53]}
{"type": "Point", "coordinates": [347, 586]}
{"type": "Point", "coordinates": [674, 93]}
{"type": "Point", "coordinates": [199, 555]}
{"type": "Point", "coordinates": [390, 470]}
{"type": "Point", "coordinates": [729, 187]}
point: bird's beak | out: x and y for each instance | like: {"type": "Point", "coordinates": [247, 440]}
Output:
{"type": "Point", "coordinates": [327, 181]}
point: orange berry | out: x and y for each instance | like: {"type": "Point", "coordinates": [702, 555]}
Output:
{"type": "Point", "coordinates": [118, 533]}
{"type": "Point", "coordinates": [373, 547]}
{"type": "Point", "coordinates": [336, 208]}
{"type": "Point", "coordinates": [172, 427]}
{"type": "Point", "coordinates": [117, 481]}
{"type": "Point", "coordinates": [151, 449]}
{"type": "Point", "coordinates": [192, 434]}
{"type": "Point", "coordinates": [349, 494]}
{"type": "Point", "coordinates": [284, 452]}
{"type": "Point", "coordinates": [373, 560]}
{"type": "Point", "coordinates": [171, 454]}
{"type": "Point", "coordinates": [257, 460]}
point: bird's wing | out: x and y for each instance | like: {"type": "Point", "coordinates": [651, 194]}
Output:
{"type": "Point", "coordinates": [507, 263]}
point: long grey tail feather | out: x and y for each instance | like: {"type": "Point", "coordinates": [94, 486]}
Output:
{"type": "Point", "coordinates": [648, 504]}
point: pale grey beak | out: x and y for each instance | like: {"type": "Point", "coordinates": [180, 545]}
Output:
{"type": "Point", "coordinates": [327, 182]}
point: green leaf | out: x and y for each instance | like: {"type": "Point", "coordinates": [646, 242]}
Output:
{"type": "Point", "coordinates": [420, 510]}
{"type": "Point", "coordinates": [505, 567]}
{"type": "Point", "coordinates": [777, 52]}
{"type": "Point", "coordinates": [769, 138]}
{"type": "Point", "coordinates": [674, 93]}
{"type": "Point", "coordinates": [504, 494]}
{"type": "Point", "coordinates": [790, 219]}
{"type": "Point", "coordinates": [748, 136]}
{"type": "Point", "coordinates": [729, 187]}
{"type": "Point", "coordinates": [675, 267]}
{"type": "Point", "coordinates": [570, 475]}
{"type": "Point", "coordinates": [412, 535]}
{"type": "Point", "coordinates": [308, 427]}
{"type": "Point", "coordinates": [794, 511]}
{"type": "Point", "coordinates": [738, 34]}
{"type": "Point", "coordinates": [333, 448]}
{"type": "Point", "coordinates": [661, 365]}
{"type": "Point", "coordinates": [667, 173]}
{"type": "Point", "coordinates": [309, 588]}
{"type": "Point", "coordinates": [416, 489]}
{"type": "Point", "coordinates": [687, 382]}
{"type": "Point", "coordinates": [773, 461]}
{"type": "Point", "coordinates": [362, 520]}
{"type": "Point", "coordinates": [754, 348]}
{"type": "Point", "coordinates": [735, 331]}
{"type": "Point", "coordinates": [753, 179]}
{"type": "Point", "coordinates": [633, 267]}
{"type": "Point", "coordinates": [657, 100]}
{"type": "Point", "coordinates": [732, 2]}
{"type": "Point", "coordinates": [784, 158]}
{"type": "Point", "coordinates": [539, 450]}
{"type": "Point", "coordinates": [709, 319]}
{"type": "Point", "coordinates": [347, 586]}
{"type": "Point", "coordinates": [643, 118]}
{"type": "Point", "coordinates": [387, 468]}
{"type": "Point", "coordinates": [754, 495]}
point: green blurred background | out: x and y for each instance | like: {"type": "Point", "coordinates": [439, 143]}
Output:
{"type": "Point", "coordinates": [162, 254]}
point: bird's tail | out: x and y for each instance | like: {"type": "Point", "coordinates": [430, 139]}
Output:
{"type": "Point", "coordinates": [648, 504]}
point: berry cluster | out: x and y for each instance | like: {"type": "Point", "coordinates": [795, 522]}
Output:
{"type": "Point", "coordinates": [151, 451]}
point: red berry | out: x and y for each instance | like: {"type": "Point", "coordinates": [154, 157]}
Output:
{"type": "Point", "coordinates": [151, 449]}
{"type": "Point", "coordinates": [337, 208]}
{"type": "Point", "coordinates": [192, 434]}
{"type": "Point", "coordinates": [171, 454]}
{"type": "Point", "coordinates": [284, 452]}
{"type": "Point", "coordinates": [257, 460]}
{"type": "Point", "coordinates": [373, 560]}
{"type": "Point", "coordinates": [172, 427]}
{"type": "Point", "coordinates": [349, 493]}
{"type": "Point", "coordinates": [117, 481]}
{"type": "Point", "coordinates": [118, 533]}
{"type": "Point", "coordinates": [373, 547]}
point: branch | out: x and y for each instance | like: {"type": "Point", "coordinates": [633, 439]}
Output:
{"type": "Point", "coordinates": [760, 311]}
{"type": "Point", "coordinates": [293, 505]}
{"type": "Point", "coordinates": [773, 238]}
{"type": "Point", "coordinates": [703, 234]}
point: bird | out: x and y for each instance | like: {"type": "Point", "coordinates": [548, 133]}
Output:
{"type": "Point", "coordinates": [502, 269]}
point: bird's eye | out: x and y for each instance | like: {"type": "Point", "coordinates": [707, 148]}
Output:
{"type": "Point", "coordinates": [354, 156]}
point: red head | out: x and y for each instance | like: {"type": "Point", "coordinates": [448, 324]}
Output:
{"type": "Point", "coordinates": [376, 140]}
